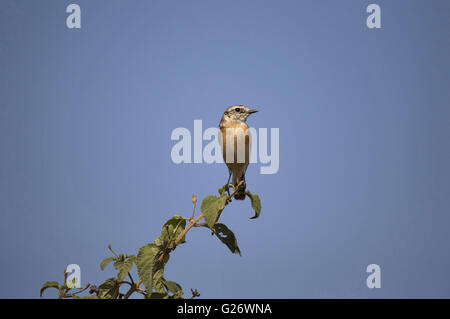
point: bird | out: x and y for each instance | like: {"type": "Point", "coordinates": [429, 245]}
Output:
{"type": "Point", "coordinates": [236, 155]}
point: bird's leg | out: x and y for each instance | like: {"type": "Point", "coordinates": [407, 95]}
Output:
{"type": "Point", "coordinates": [244, 182]}
{"type": "Point", "coordinates": [228, 184]}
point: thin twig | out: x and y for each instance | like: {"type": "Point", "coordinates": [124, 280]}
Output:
{"type": "Point", "coordinates": [176, 228]}
{"type": "Point", "coordinates": [131, 278]}
{"type": "Point", "coordinates": [132, 289]}
{"type": "Point", "coordinates": [235, 190]}
{"type": "Point", "coordinates": [194, 200]}
{"type": "Point", "coordinates": [79, 291]}
{"type": "Point", "coordinates": [114, 253]}
{"type": "Point", "coordinates": [129, 292]}
{"type": "Point", "coordinates": [195, 293]}
{"type": "Point", "coordinates": [191, 223]}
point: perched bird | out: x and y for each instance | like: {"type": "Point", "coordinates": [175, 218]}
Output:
{"type": "Point", "coordinates": [235, 141]}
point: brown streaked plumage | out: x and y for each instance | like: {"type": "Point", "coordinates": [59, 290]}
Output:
{"type": "Point", "coordinates": [233, 126]}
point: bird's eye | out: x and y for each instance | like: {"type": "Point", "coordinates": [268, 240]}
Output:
{"type": "Point", "coordinates": [237, 109]}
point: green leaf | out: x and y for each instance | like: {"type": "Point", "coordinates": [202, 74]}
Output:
{"type": "Point", "coordinates": [145, 261]}
{"type": "Point", "coordinates": [109, 289]}
{"type": "Point", "coordinates": [64, 287]}
{"type": "Point", "coordinates": [158, 242]}
{"type": "Point", "coordinates": [227, 237]}
{"type": "Point", "coordinates": [211, 208]}
{"type": "Point", "coordinates": [256, 203]}
{"type": "Point", "coordinates": [173, 228]}
{"type": "Point", "coordinates": [157, 295]}
{"type": "Point", "coordinates": [158, 271]}
{"type": "Point", "coordinates": [106, 261]}
{"type": "Point", "coordinates": [90, 297]}
{"type": "Point", "coordinates": [49, 284]}
{"type": "Point", "coordinates": [172, 286]}
{"type": "Point", "coordinates": [158, 280]}
{"type": "Point", "coordinates": [131, 257]}
{"type": "Point", "coordinates": [223, 189]}
{"type": "Point", "coordinates": [124, 268]}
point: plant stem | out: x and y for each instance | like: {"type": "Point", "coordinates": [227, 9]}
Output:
{"type": "Point", "coordinates": [193, 211]}
{"type": "Point", "coordinates": [131, 278]}
{"type": "Point", "coordinates": [235, 190]}
{"type": "Point", "coordinates": [133, 288]}
{"type": "Point", "coordinates": [114, 253]}
{"type": "Point", "coordinates": [129, 292]}
{"type": "Point", "coordinates": [80, 291]}
{"type": "Point", "coordinates": [191, 223]}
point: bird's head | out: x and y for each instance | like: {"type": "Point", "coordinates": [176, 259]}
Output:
{"type": "Point", "coordinates": [237, 113]}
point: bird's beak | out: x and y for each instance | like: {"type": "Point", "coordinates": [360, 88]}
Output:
{"type": "Point", "coordinates": [252, 111]}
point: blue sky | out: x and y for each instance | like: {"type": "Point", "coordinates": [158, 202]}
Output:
{"type": "Point", "coordinates": [86, 117]}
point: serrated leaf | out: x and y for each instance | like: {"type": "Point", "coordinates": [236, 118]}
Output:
{"type": "Point", "coordinates": [109, 289]}
{"type": "Point", "coordinates": [158, 280]}
{"type": "Point", "coordinates": [256, 203]}
{"type": "Point", "coordinates": [211, 208]}
{"type": "Point", "coordinates": [106, 261]}
{"type": "Point", "coordinates": [173, 228]}
{"type": "Point", "coordinates": [124, 268]}
{"type": "Point", "coordinates": [172, 286]}
{"type": "Point", "coordinates": [227, 237]}
{"type": "Point", "coordinates": [49, 284]}
{"type": "Point", "coordinates": [158, 271]}
{"type": "Point", "coordinates": [145, 261]}
{"type": "Point", "coordinates": [157, 295]}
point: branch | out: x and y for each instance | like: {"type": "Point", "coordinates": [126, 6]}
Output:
{"type": "Point", "coordinates": [235, 190]}
{"type": "Point", "coordinates": [132, 289]}
{"type": "Point", "coordinates": [164, 249]}
{"type": "Point", "coordinates": [191, 223]}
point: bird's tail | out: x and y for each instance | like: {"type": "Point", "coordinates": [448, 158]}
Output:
{"type": "Point", "coordinates": [240, 194]}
